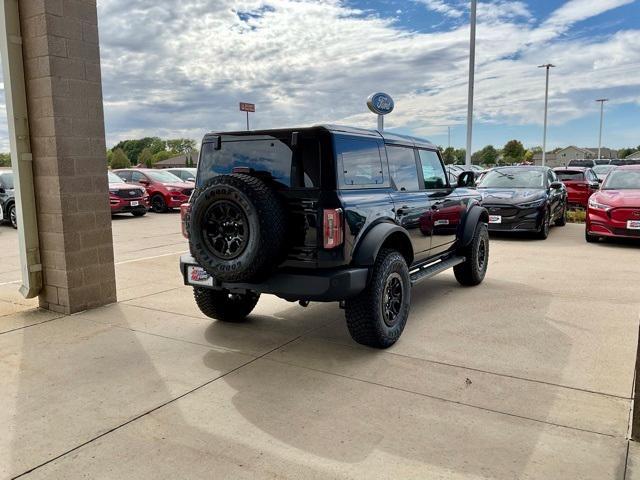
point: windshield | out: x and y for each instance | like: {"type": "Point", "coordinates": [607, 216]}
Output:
{"type": "Point", "coordinates": [163, 177]}
{"type": "Point", "coordinates": [575, 176]}
{"type": "Point", "coordinates": [6, 181]}
{"type": "Point", "coordinates": [622, 180]}
{"type": "Point", "coordinates": [113, 178]}
{"type": "Point", "coordinates": [603, 169]}
{"type": "Point", "coordinates": [513, 178]}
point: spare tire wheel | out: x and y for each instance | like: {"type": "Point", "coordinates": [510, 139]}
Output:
{"type": "Point", "coordinates": [237, 228]}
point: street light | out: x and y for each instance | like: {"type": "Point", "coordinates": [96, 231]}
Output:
{"type": "Point", "coordinates": [472, 68]}
{"type": "Point", "coordinates": [601, 100]}
{"type": "Point", "coordinates": [546, 106]}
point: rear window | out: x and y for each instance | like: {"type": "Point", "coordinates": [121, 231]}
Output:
{"type": "Point", "coordinates": [360, 161]}
{"type": "Point", "coordinates": [295, 166]}
{"type": "Point", "coordinates": [570, 176]}
{"type": "Point", "coordinates": [6, 181]}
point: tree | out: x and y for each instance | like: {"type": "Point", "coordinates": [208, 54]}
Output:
{"type": "Point", "coordinates": [488, 155]}
{"type": "Point", "coordinates": [163, 155]}
{"type": "Point", "coordinates": [461, 155]}
{"type": "Point", "coordinates": [120, 159]}
{"type": "Point", "coordinates": [133, 148]}
{"type": "Point", "coordinates": [513, 151]}
{"type": "Point", "coordinates": [528, 156]}
{"type": "Point", "coordinates": [181, 145]}
{"type": "Point", "coordinates": [5, 159]}
{"type": "Point", "coordinates": [449, 155]}
{"type": "Point", "coordinates": [146, 158]}
{"type": "Point", "coordinates": [109, 157]}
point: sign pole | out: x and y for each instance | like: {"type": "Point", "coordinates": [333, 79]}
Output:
{"type": "Point", "coordinates": [247, 120]}
{"type": "Point", "coordinates": [247, 107]}
{"type": "Point", "coordinates": [380, 123]}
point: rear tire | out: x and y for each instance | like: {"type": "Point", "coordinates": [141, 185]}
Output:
{"type": "Point", "coordinates": [473, 270]}
{"type": "Point", "coordinates": [224, 306]}
{"type": "Point", "coordinates": [378, 315]}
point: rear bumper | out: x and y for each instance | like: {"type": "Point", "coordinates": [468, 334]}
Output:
{"type": "Point", "coordinates": [317, 286]}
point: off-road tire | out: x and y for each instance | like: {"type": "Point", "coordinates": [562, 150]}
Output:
{"type": "Point", "coordinates": [12, 215]}
{"type": "Point", "coordinates": [223, 306]}
{"type": "Point", "coordinates": [562, 221]}
{"type": "Point", "coordinates": [364, 313]}
{"type": "Point", "coordinates": [543, 233]}
{"type": "Point", "coordinates": [159, 204]}
{"type": "Point", "coordinates": [263, 223]}
{"type": "Point", "coordinates": [139, 213]}
{"type": "Point", "coordinates": [473, 270]}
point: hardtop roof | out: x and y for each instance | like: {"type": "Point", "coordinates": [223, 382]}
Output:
{"type": "Point", "coordinates": [391, 138]}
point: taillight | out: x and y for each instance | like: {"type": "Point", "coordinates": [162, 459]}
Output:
{"type": "Point", "coordinates": [332, 228]}
{"type": "Point", "coordinates": [185, 208]}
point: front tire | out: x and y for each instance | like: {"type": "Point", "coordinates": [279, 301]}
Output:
{"type": "Point", "coordinates": [224, 306]}
{"type": "Point", "coordinates": [13, 216]}
{"type": "Point", "coordinates": [377, 316]}
{"type": "Point", "coordinates": [158, 204]}
{"type": "Point", "coordinates": [139, 213]}
{"type": "Point", "coordinates": [543, 232]}
{"type": "Point", "coordinates": [473, 270]}
{"type": "Point", "coordinates": [590, 238]}
{"type": "Point", "coordinates": [562, 221]}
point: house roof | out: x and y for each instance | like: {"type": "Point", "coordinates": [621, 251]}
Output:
{"type": "Point", "coordinates": [177, 161]}
{"type": "Point", "coordinates": [635, 154]}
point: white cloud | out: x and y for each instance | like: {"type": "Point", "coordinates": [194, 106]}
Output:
{"type": "Point", "coordinates": [443, 7]}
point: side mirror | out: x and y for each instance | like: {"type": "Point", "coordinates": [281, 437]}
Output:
{"type": "Point", "coordinates": [191, 179]}
{"type": "Point", "coordinates": [467, 180]}
{"type": "Point", "coordinates": [595, 186]}
{"type": "Point", "coordinates": [600, 180]}
{"type": "Point", "coordinates": [556, 185]}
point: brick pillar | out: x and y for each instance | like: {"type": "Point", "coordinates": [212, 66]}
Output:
{"type": "Point", "coordinates": [64, 97]}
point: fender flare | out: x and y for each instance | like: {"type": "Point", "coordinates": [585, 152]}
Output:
{"type": "Point", "coordinates": [369, 246]}
{"type": "Point", "coordinates": [475, 215]}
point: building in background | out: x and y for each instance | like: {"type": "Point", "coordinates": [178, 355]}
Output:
{"type": "Point", "coordinates": [181, 161]}
{"type": "Point", "coordinates": [563, 156]}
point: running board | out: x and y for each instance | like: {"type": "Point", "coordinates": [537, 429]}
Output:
{"type": "Point", "coordinates": [435, 268]}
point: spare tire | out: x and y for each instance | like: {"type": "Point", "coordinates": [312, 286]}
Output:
{"type": "Point", "coordinates": [237, 228]}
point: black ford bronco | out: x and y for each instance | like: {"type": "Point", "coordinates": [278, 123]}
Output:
{"type": "Point", "coordinates": [328, 214]}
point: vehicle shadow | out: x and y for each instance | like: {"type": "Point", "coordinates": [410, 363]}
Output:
{"type": "Point", "coordinates": [351, 422]}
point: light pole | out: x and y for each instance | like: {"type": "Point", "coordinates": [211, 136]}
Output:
{"type": "Point", "coordinates": [546, 107]}
{"type": "Point", "coordinates": [601, 100]}
{"type": "Point", "coordinates": [472, 68]}
{"type": "Point", "coordinates": [449, 136]}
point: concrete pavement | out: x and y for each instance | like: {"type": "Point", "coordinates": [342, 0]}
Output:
{"type": "Point", "coordinates": [526, 376]}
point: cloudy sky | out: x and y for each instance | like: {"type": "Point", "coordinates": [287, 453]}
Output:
{"type": "Point", "coordinates": [180, 67]}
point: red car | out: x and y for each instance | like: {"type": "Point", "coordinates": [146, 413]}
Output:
{"type": "Point", "coordinates": [125, 198]}
{"type": "Point", "coordinates": [615, 210]}
{"type": "Point", "coordinates": [165, 190]}
{"type": "Point", "coordinates": [581, 183]}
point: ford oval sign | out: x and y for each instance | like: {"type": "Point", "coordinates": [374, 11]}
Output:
{"type": "Point", "coordinates": [380, 103]}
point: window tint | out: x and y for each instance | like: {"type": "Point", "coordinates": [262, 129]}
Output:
{"type": "Point", "coordinates": [138, 177]}
{"type": "Point", "coordinates": [402, 166]}
{"type": "Point", "coordinates": [570, 175]}
{"type": "Point", "coordinates": [124, 175]}
{"type": "Point", "coordinates": [432, 171]}
{"type": "Point", "coordinates": [360, 160]}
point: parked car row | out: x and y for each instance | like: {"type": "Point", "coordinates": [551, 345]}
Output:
{"type": "Point", "coordinates": [141, 189]}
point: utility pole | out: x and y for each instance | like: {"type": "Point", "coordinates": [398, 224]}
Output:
{"type": "Point", "coordinates": [546, 108]}
{"type": "Point", "coordinates": [601, 100]}
{"type": "Point", "coordinates": [472, 68]}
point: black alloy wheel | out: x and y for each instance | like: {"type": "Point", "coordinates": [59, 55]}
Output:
{"type": "Point", "coordinates": [543, 233]}
{"type": "Point", "coordinates": [158, 204]}
{"type": "Point", "coordinates": [392, 299]}
{"type": "Point", "coordinates": [225, 230]}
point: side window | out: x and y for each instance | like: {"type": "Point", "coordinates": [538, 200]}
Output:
{"type": "Point", "coordinates": [137, 177]}
{"type": "Point", "coordinates": [360, 160]}
{"type": "Point", "coordinates": [551, 176]}
{"type": "Point", "coordinates": [402, 166]}
{"type": "Point", "coordinates": [432, 171]}
{"type": "Point", "coordinates": [126, 176]}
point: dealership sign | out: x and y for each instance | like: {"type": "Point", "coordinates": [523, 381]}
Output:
{"type": "Point", "coordinates": [247, 107]}
{"type": "Point", "coordinates": [380, 103]}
